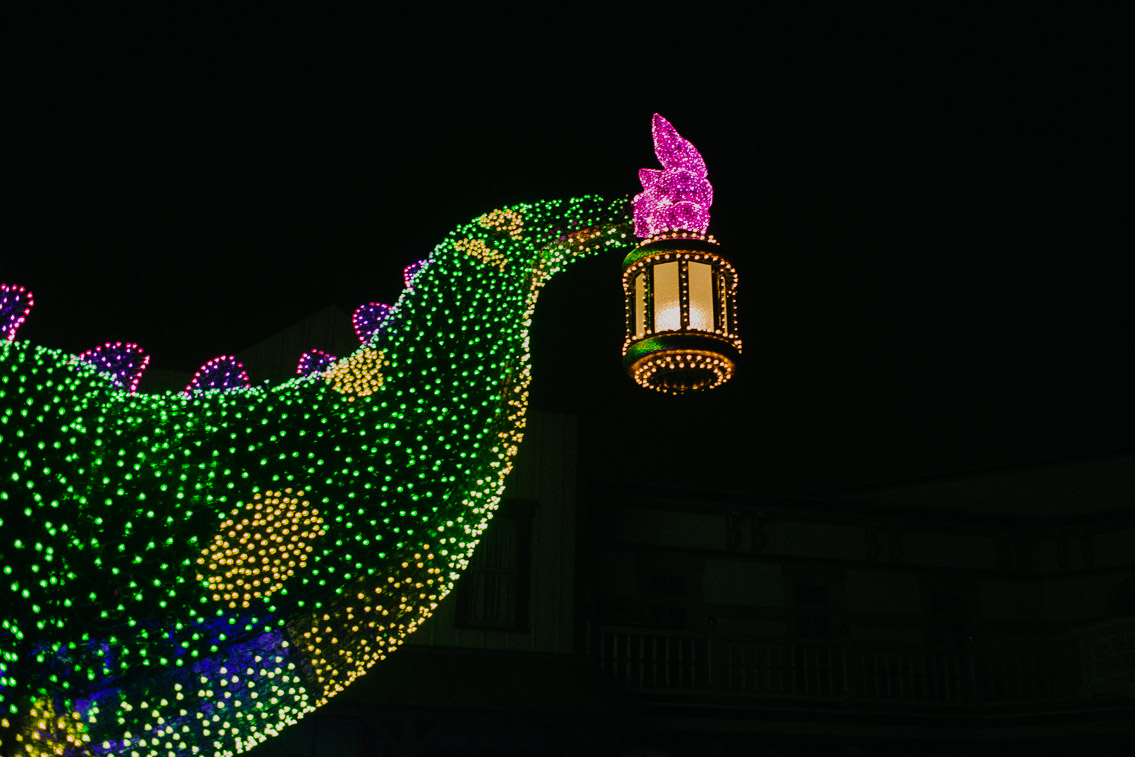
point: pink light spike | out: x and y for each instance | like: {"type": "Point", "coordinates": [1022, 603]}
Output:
{"type": "Point", "coordinates": [314, 361]}
{"type": "Point", "coordinates": [368, 319]}
{"type": "Point", "coordinates": [224, 372]}
{"type": "Point", "coordinates": [410, 272]}
{"type": "Point", "coordinates": [678, 197]}
{"type": "Point", "coordinates": [15, 304]}
{"type": "Point", "coordinates": [124, 362]}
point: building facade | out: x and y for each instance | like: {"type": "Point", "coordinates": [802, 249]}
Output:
{"type": "Point", "coordinates": [613, 619]}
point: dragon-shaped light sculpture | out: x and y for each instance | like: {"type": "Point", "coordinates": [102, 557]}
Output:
{"type": "Point", "coordinates": [187, 573]}
{"type": "Point", "coordinates": [680, 292]}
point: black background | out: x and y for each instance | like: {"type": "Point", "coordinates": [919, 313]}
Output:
{"type": "Point", "coordinates": [930, 235]}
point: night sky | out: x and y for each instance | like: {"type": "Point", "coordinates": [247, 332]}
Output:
{"type": "Point", "coordinates": [932, 281]}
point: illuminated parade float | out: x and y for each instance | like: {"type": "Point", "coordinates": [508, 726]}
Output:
{"type": "Point", "coordinates": [191, 572]}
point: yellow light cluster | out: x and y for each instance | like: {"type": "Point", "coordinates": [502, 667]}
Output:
{"type": "Point", "coordinates": [477, 249]}
{"type": "Point", "coordinates": [711, 370]}
{"type": "Point", "coordinates": [259, 547]}
{"type": "Point", "coordinates": [504, 219]}
{"type": "Point", "coordinates": [46, 733]}
{"type": "Point", "coordinates": [360, 375]}
{"type": "Point", "coordinates": [371, 621]}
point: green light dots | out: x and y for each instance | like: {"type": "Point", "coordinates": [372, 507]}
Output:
{"type": "Point", "coordinates": [146, 594]}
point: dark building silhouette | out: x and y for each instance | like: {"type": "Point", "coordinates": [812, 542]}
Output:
{"type": "Point", "coordinates": [975, 615]}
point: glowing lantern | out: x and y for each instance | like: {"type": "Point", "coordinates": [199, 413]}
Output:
{"type": "Point", "coordinates": [680, 291]}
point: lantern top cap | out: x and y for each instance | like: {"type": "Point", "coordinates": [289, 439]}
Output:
{"type": "Point", "coordinates": [678, 197]}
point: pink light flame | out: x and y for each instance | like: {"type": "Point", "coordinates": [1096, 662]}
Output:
{"type": "Point", "coordinates": [678, 197]}
{"type": "Point", "coordinates": [15, 304]}
{"type": "Point", "coordinates": [124, 362]}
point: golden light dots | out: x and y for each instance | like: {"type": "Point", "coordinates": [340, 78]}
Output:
{"type": "Point", "coordinates": [372, 621]}
{"type": "Point", "coordinates": [261, 545]}
{"type": "Point", "coordinates": [478, 250]}
{"type": "Point", "coordinates": [360, 375]}
{"type": "Point", "coordinates": [47, 732]}
{"type": "Point", "coordinates": [506, 220]}
{"type": "Point", "coordinates": [683, 371]}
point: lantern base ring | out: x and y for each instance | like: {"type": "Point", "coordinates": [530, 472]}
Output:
{"type": "Point", "coordinates": [680, 371]}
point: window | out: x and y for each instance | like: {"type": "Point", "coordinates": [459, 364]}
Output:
{"type": "Point", "coordinates": [813, 612]}
{"type": "Point", "coordinates": [493, 593]}
{"type": "Point", "coordinates": [667, 298]}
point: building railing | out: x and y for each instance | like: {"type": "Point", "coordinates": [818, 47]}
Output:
{"type": "Point", "coordinates": [717, 665]}
{"type": "Point", "coordinates": [655, 661]}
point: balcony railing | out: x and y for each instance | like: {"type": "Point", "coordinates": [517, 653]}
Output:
{"type": "Point", "coordinates": [714, 665]}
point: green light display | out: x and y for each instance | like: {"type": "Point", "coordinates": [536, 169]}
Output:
{"type": "Point", "coordinates": [187, 574]}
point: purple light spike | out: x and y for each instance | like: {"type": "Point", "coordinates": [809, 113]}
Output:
{"type": "Point", "coordinates": [124, 362]}
{"type": "Point", "coordinates": [15, 304]}
{"type": "Point", "coordinates": [368, 319]}
{"type": "Point", "coordinates": [678, 197]}
{"type": "Point", "coordinates": [314, 361]}
{"type": "Point", "coordinates": [224, 372]}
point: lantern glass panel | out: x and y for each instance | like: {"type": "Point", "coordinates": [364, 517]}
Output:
{"type": "Point", "coordinates": [667, 301]}
{"type": "Point", "coordinates": [701, 296]}
{"type": "Point", "coordinates": [640, 305]}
